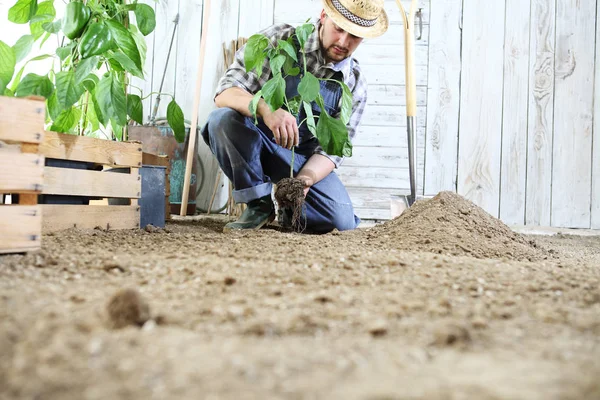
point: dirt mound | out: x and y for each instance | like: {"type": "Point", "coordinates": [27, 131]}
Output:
{"type": "Point", "coordinates": [451, 224]}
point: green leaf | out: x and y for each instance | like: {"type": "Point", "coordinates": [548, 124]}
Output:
{"type": "Point", "coordinates": [146, 20]}
{"type": "Point", "coordinates": [117, 129]}
{"type": "Point", "coordinates": [346, 103]}
{"type": "Point", "coordinates": [21, 12]}
{"type": "Point", "coordinates": [52, 27]}
{"type": "Point", "coordinates": [253, 106]}
{"type": "Point", "coordinates": [23, 47]}
{"type": "Point", "coordinates": [294, 105]}
{"type": "Point", "coordinates": [332, 134]}
{"type": "Point", "coordinates": [67, 90]}
{"type": "Point", "coordinates": [110, 98]}
{"type": "Point", "coordinates": [90, 82]}
{"type": "Point", "coordinates": [135, 108]}
{"type": "Point", "coordinates": [276, 63]}
{"type": "Point", "coordinates": [17, 79]}
{"type": "Point", "coordinates": [84, 68]}
{"type": "Point", "coordinates": [309, 87]}
{"type": "Point", "coordinates": [347, 151]}
{"type": "Point", "coordinates": [8, 60]}
{"type": "Point", "coordinates": [254, 53]}
{"type": "Point", "coordinates": [289, 67]}
{"type": "Point", "coordinates": [140, 42]}
{"type": "Point", "coordinates": [126, 63]}
{"type": "Point", "coordinates": [65, 51]}
{"type": "Point", "coordinates": [288, 48]}
{"type": "Point", "coordinates": [125, 42]}
{"type": "Point", "coordinates": [66, 121]}
{"type": "Point", "coordinates": [7, 91]}
{"type": "Point", "coordinates": [54, 108]}
{"type": "Point", "coordinates": [46, 37]}
{"type": "Point", "coordinates": [91, 116]}
{"type": "Point", "coordinates": [303, 32]}
{"type": "Point", "coordinates": [310, 118]}
{"type": "Point", "coordinates": [274, 92]}
{"type": "Point", "coordinates": [36, 85]}
{"type": "Point", "coordinates": [45, 13]}
{"type": "Point", "coordinates": [175, 120]}
{"type": "Point", "coordinates": [101, 118]}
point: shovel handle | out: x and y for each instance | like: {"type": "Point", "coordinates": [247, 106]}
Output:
{"type": "Point", "coordinates": [409, 57]}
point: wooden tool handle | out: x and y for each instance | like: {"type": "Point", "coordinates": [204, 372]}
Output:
{"type": "Point", "coordinates": [194, 127]}
{"type": "Point", "coordinates": [409, 57]}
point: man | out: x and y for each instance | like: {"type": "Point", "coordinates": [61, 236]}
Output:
{"type": "Point", "coordinates": [254, 156]}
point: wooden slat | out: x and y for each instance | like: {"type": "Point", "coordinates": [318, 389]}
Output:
{"type": "Point", "coordinates": [376, 115]}
{"type": "Point", "coordinates": [225, 14]}
{"type": "Point", "coordinates": [82, 148]}
{"type": "Point", "coordinates": [378, 177]}
{"type": "Point", "coordinates": [373, 213]}
{"type": "Point", "coordinates": [22, 120]}
{"type": "Point", "coordinates": [367, 197]}
{"type": "Point", "coordinates": [514, 124]}
{"type": "Point", "coordinates": [382, 157]}
{"type": "Point", "coordinates": [385, 136]}
{"type": "Point", "coordinates": [392, 74]}
{"type": "Point", "coordinates": [573, 110]}
{"type": "Point", "coordinates": [254, 15]}
{"type": "Point", "coordinates": [60, 217]}
{"type": "Point", "coordinates": [388, 54]}
{"type": "Point", "coordinates": [481, 109]}
{"type": "Point", "coordinates": [21, 172]}
{"type": "Point", "coordinates": [541, 113]}
{"type": "Point", "coordinates": [20, 228]}
{"type": "Point", "coordinates": [76, 182]}
{"type": "Point", "coordinates": [443, 97]}
{"type": "Point", "coordinates": [596, 140]}
{"type": "Point", "coordinates": [393, 95]}
{"type": "Point", "coordinates": [153, 159]}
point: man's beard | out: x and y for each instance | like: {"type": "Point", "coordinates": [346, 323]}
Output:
{"type": "Point", "coordinates": [332, 55]}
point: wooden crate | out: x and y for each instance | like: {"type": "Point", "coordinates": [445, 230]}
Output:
{"type": "Point", "coordinates": [21, 173]}
{"type": "Point", "coordinates": [96, 184]}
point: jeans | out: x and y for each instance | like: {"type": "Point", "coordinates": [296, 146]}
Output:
{"type": "Point", "coordinates": [250, 158]}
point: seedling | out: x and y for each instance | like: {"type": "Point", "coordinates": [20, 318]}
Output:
{"type": "Point", "coordinates": [285, 59]}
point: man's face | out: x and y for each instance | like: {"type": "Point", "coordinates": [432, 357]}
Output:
{"type": "Point", "coordinates": [337, 44]}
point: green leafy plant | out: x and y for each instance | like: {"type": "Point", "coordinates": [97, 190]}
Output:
{"type": "Point", "coordinates": [87, 87]}
{"type": "Point", "coordinates": [283, 58]}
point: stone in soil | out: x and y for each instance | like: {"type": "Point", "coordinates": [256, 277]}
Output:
{"type": "Point", "coordinates": [127, 307]}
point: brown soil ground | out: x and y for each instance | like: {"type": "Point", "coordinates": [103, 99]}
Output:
{"type": "Point", "coordinates": [444, 302]}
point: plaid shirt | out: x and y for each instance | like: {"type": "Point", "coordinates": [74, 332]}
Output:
{"type": "Point", "coordinates": [237, 76]}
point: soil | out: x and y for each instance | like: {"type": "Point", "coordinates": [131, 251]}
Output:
{"type": "Point", "coordinates": [290, 195]}
{"type": "Point", "coordinates": [189, 312]}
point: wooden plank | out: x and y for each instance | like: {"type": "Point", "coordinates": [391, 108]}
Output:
{"type": "Point", "coordinates": [385, 136]}
{"type": "Point", "coordinates": [303, 9]}
{"type": "Point", "coordinates": [22, 120]}
{"type": "Point", "coordinates": [21, 172]}
{"type": "Point", "coordinates": [481, 111]}
{"type": "Point", "coordinates": [443, 97]}
{"type": "Point", "coordinates": [60, 217]}
{"type": "Point", "coordinates": [388, 54]}
{"type": "Point", "coordinates": [541, 113]}
{"type": "Point", "coordinates": [513, 168]}
{"type": "Point", "coordinates": [374, 198]}
{"type": "Point", "coordinates": [225, 14]}
{"type": "Point", "coordinates": [20, 228]}
{"type": "Point", "coordinates": [145, 84]}
{"type": "Point", "coordinates": [596, 150]}
{"type": "Point", "coordinates": [573, 110]}
{"type": "Point", "coordinates": [185, 54]}
{"type": "Point", "coordinates": [393, 95]}
{"type": "Point", "coordinates": [77, 182]}
{"type": "Point", "coordinates": [392, 74]}
{"type": "Point", "coordinates": [153, 159]}
{"type": "Point", "coordinates": [391, 116]}
{"type": "Point", "coordinates": [367, 214]}
{"type": "Point", "coordinates": [254, 16]}
{"type": "Point", "coordinates": [82, 148]}
{"type": "Point", "coordinates": [377, 177]}
{"type": "Point", "coordinates": [368, 157]}
{"type": "Point", "coordinates": [166, 10]}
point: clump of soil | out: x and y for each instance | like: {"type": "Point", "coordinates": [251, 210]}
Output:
{"type": "Point", "coordinates": [290, 194]}
{"type": "Point", "coordinates": [127, 307]}
{"type": "Point", "coordinates": [451, 224]}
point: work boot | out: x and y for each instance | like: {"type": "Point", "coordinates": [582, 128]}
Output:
{"type": "Point", "coordinates": [257, 214]}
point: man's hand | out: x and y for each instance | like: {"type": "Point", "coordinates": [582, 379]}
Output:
{"type": "Point", "coordinates": [308, 177]}
{"type": "Point", "coordinates": [283, 125]}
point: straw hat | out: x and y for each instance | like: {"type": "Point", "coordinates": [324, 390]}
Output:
{"type": "Point", "coordinates": [362, 18]}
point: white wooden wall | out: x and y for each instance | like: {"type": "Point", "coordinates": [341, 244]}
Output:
{"type": "Point", "coordinates": [511, 118]}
